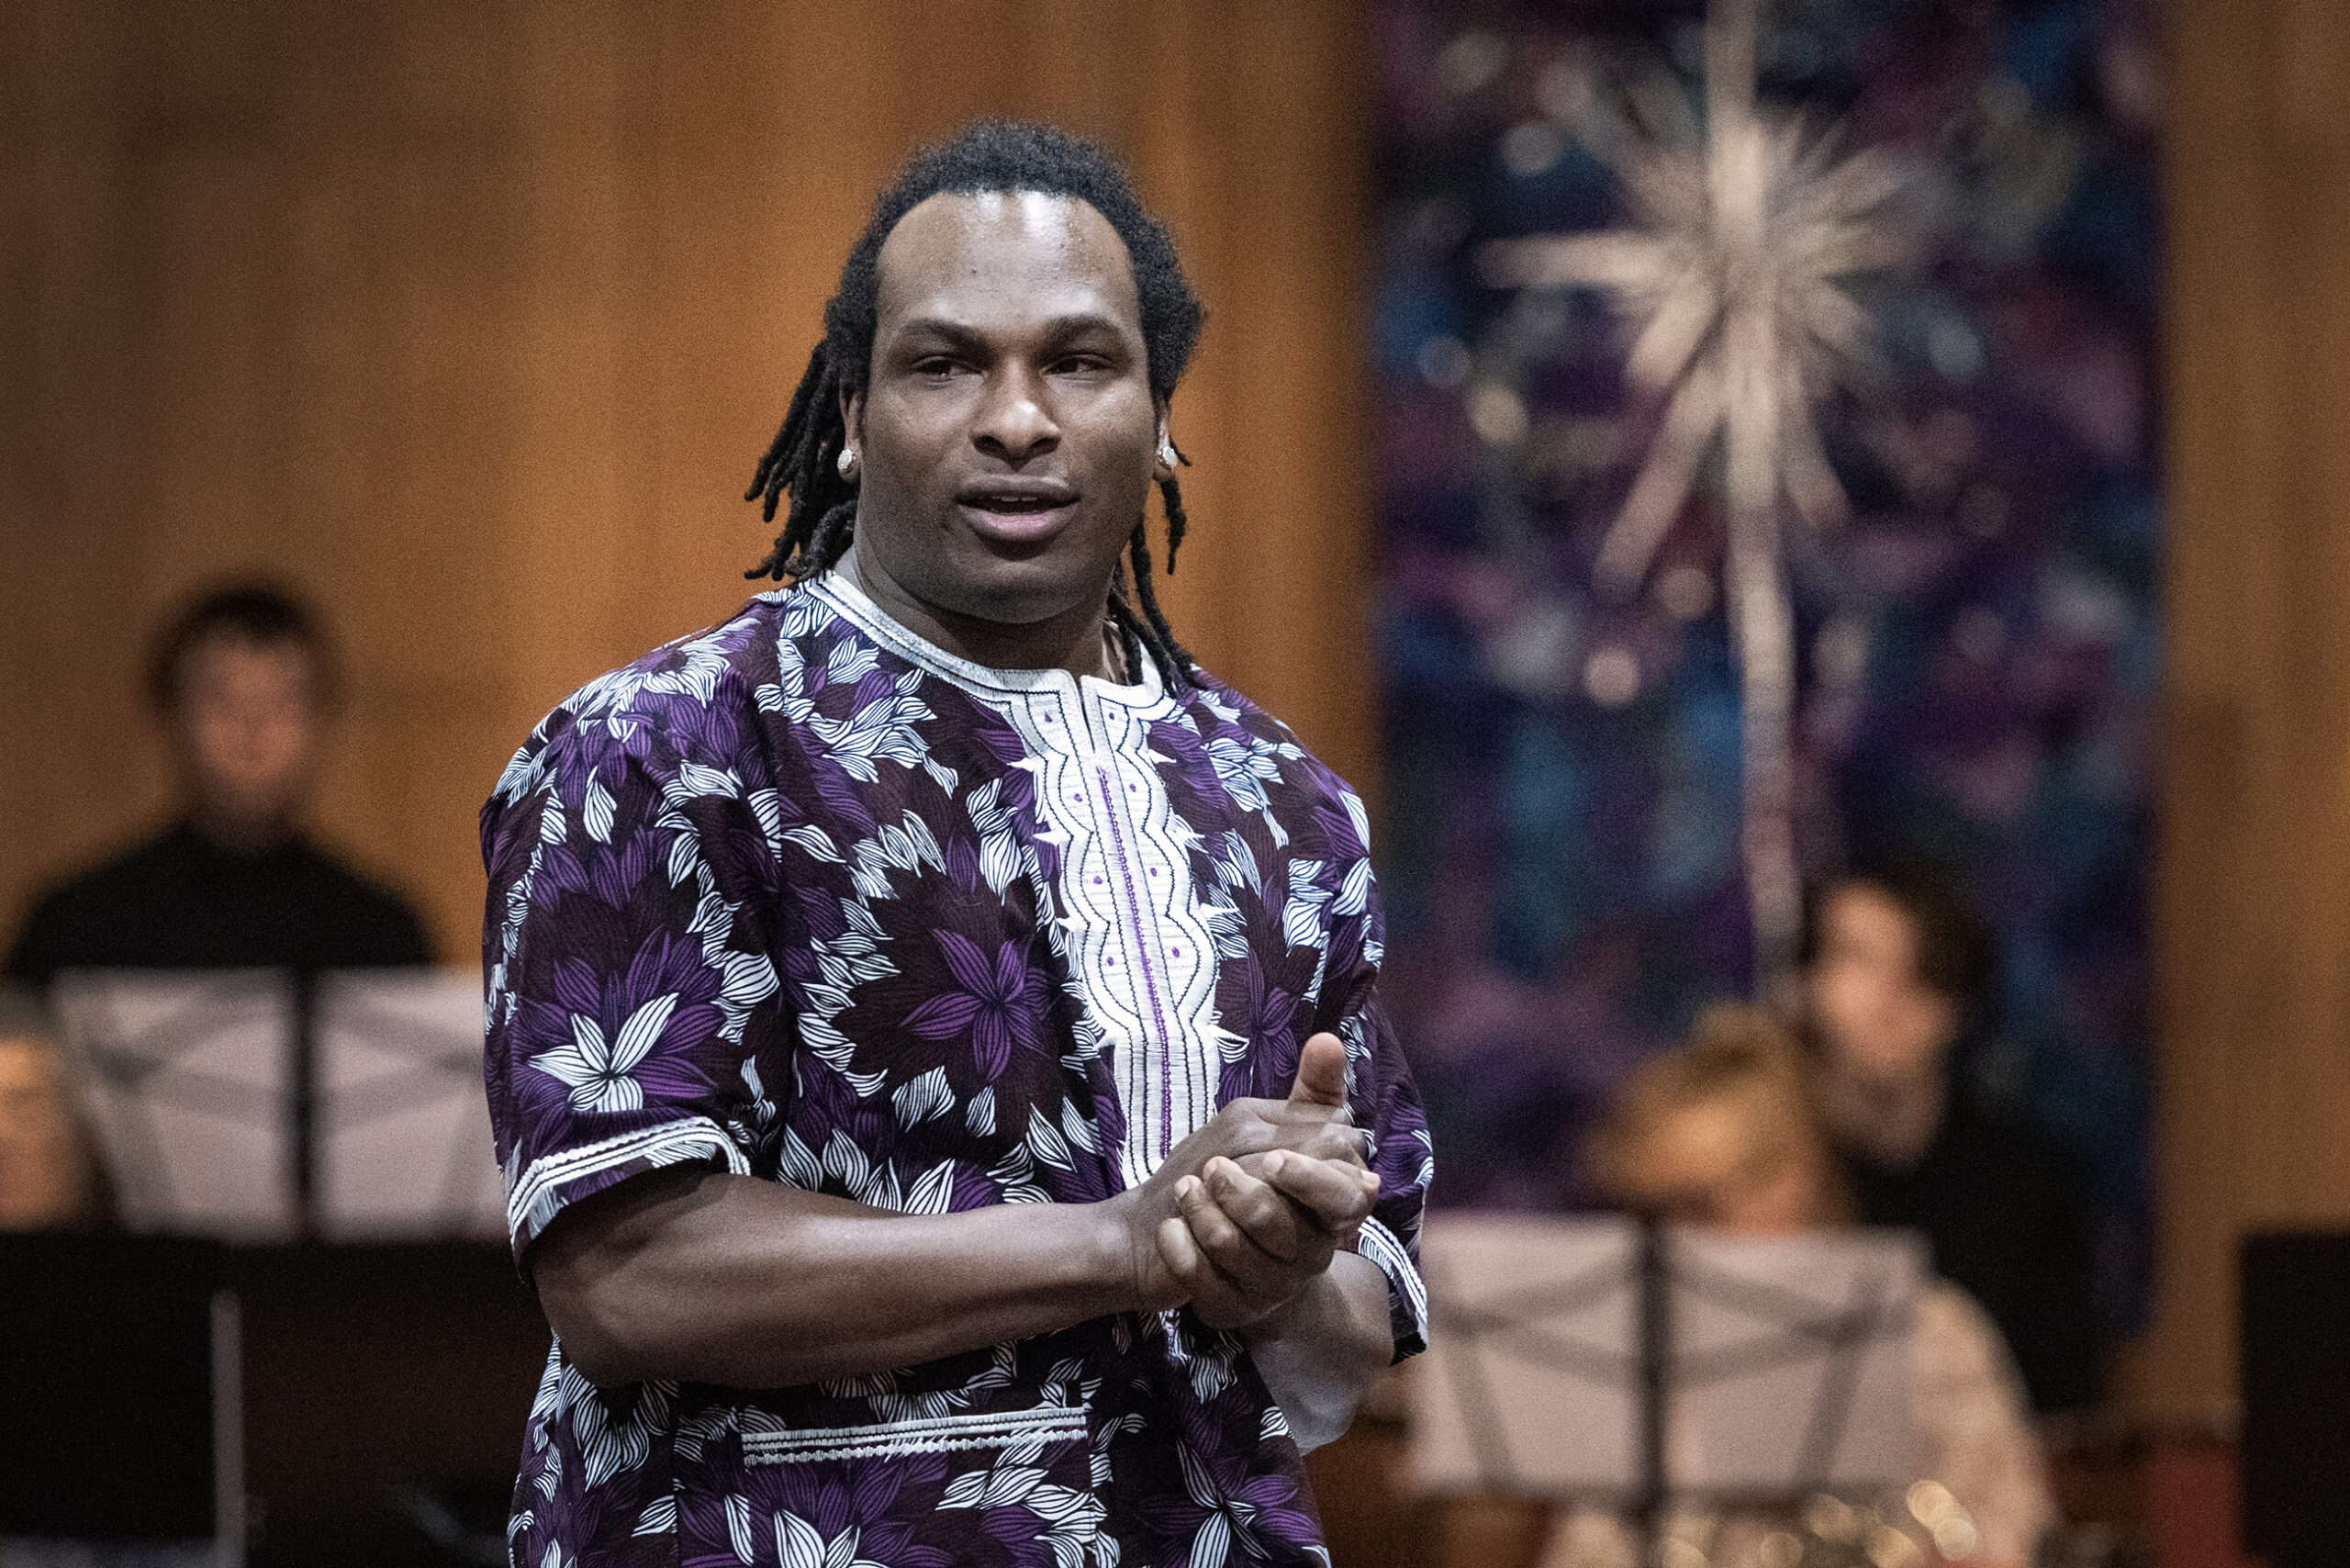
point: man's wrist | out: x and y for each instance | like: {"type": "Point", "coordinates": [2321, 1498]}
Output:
{"type": "Point", "coordinates": [1324, 1306]}
{"type": "Point", "coordinates": [1277, 1324]}
{"type": "Point", "coordinates": [1114, 1271]}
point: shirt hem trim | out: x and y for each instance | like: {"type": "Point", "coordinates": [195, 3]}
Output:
{"type": "Point", "coordinates": [932, 1434]}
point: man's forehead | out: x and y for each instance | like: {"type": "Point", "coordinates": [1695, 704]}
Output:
{"type": "Point", "coordinates": [954, 253]}
{"type": "Point", "coordinates": [235, 641]}
{"type": "Point", "coordinates": [230, 654]}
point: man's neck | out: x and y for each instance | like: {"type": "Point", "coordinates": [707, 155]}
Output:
{"type": "Point", "coordinates": [1076, 641]}
{"type": "Point", "coordinates": [241, 834]}
{"type": "Point", "coordinates": [1892, 1121]}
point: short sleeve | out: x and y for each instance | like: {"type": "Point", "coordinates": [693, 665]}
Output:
{"type": "Point", "coordinates": [631, 986]}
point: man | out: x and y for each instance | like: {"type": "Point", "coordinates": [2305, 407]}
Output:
{"type": "Point", "coordinates": [239, 681]}
{"type": "Point", "coordinates": [934, 1026]}
{"type": "Point", "coordinates": [1896, 966]}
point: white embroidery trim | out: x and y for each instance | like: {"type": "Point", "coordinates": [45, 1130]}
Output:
{"type": "Point", "coordinates": [537, 1196]}
{"type": "Point", "coordinates": [931, 1434]}
{"type": "Point", "coordinates": [1380, 1245]}
{"type": "Point", "coordinates": [850, 602]}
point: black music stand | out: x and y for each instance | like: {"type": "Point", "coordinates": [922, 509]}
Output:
{"type": "Point", "coordinates": [2294, 1300]}
{"type": "Point", "coordinates": [121, 1403]}
{"type": "Point", "coordinates": [1608, 1358]}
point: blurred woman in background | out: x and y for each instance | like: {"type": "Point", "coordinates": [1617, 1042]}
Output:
{"type": "Point", "coordinates": [1897, 973]}
{"type": "Point", "coordinates": [1724, 1134]}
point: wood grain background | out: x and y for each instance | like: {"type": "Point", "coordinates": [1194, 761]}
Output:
{"type": "Point", "coordinates": [471, 318]}
{"type": "Point", "coordinates": [2254, 893]}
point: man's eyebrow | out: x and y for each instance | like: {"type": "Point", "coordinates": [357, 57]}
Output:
{"type": "Point", "coordinates": [1082, 321]}
{"type": "Point", "coordinates": [962, 334]}
{"type": "Point", "coordinates": [954, 332]}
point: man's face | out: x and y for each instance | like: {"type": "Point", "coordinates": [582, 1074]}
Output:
{"type": "Point", "coordinates": [1875, 1016]}
{"type": "Point", "coordinates": [245, 724]}
{"type": "Point", "coordinates": [1007, 432]}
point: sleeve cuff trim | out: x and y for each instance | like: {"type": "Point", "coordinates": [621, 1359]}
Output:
{"type": "Point", "coordinates": [1380, 1246]}
{"type": "Point", "coordinates": [541, 1191]}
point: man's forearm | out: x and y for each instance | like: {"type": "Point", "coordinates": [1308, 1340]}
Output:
{"type": "Point", "coordinates": [1319, 1354]}
{"type": "Point", "coordinates": [727, 1279]}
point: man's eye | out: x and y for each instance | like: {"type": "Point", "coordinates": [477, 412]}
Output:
{"type": "Point", "coordinates": [936, 368]}
{"type": "Point", "coordinates": [1080, 364]}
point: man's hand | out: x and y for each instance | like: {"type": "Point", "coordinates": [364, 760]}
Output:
{"type": "Point", "coordinates": [1244, 1247]}
{"type": "Point", "coordinates": [1259, 1244]}
{"type": "Point", "coordinates": [1313, 1122]}
{"type": "Point", "coordinates": [1251, 1234]}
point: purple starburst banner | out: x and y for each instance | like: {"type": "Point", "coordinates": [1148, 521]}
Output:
{"type": "Point", "coordinates": [1951, 469]}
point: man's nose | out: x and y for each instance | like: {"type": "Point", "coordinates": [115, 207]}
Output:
{"type": "Point", "coordinates": [1015, 423]}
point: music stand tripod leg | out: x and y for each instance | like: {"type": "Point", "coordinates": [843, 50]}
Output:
{"type": "Point", "coordinates": [1655, 1306]}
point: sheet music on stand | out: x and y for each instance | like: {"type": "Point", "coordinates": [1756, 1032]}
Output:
{"type": "Point", "coordinates": [260, 1105]}
{"type": "Point", "coordinates": [402, 1116]}
{"type": "Point", "coordinates": [183, 1078]}
{"type": "Point", "coordinates": [1757, 1371]}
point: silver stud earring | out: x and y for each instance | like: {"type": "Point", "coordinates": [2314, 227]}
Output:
{"type": "Point", "coordinates": [1167, 456]}
{"type": "Point", "coordinates": [846, 462]}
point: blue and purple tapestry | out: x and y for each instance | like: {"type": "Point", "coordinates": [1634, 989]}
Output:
{"type": "Point", "coordinates": [1974, 637]}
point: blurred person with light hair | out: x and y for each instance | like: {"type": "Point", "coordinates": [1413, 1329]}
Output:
{"type": "Point", "coordinates": [50, 1176]}
{"type": "Point", "coordinates": [1723, 1134]}
{"type": "Point", "coordinates": [1896, 972]}
{"type": "Point", "coordinates": [241, 680]}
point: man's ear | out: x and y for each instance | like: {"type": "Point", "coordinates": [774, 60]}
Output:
{"type": "Point", "coordinates": [853, 416]}
{"type": "Point", "coordinates": [1163, 442]}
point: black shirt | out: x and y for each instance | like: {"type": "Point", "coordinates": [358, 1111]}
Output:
{"type": "Point", "coordinates": [2006, 1215]}
{"type": "Point", "coordinates": [182, 901]}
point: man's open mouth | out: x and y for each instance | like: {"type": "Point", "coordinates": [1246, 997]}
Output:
{"type": "Point", "coordinates": [1017, 512]}
{"type": "Point", "coordinates": [1014, 504]}
{"type": "Point", "coordinates": [1016, 494]}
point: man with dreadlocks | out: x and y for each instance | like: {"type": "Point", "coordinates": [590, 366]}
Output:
{"type": "Point", "coordinates": [934, 1037]}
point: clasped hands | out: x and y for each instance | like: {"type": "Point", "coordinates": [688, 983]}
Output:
{"type": "Point", "coordinates": [1247, 1212]}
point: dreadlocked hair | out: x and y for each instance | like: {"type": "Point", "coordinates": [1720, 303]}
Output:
{"type": "Point", "coordinates": [801, 463]}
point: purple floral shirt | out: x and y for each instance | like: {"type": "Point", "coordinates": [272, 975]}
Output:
{"type": "Point", "coordinates": [810, 899]}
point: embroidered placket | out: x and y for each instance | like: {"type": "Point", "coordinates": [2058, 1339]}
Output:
{"type": "Point", "coordinates": [1142, 955]}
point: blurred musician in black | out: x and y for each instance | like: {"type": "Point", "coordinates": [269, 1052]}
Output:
{"type": "Point", "coordinates": [1896, 972]}
{"type": "Point", "coordinates": [242, 680]}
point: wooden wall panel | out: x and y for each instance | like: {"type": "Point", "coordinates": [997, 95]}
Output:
{"type": "Point", "coordinates": [471, 318]}
{"type": "Point", "coordinates": [2254, 906]}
